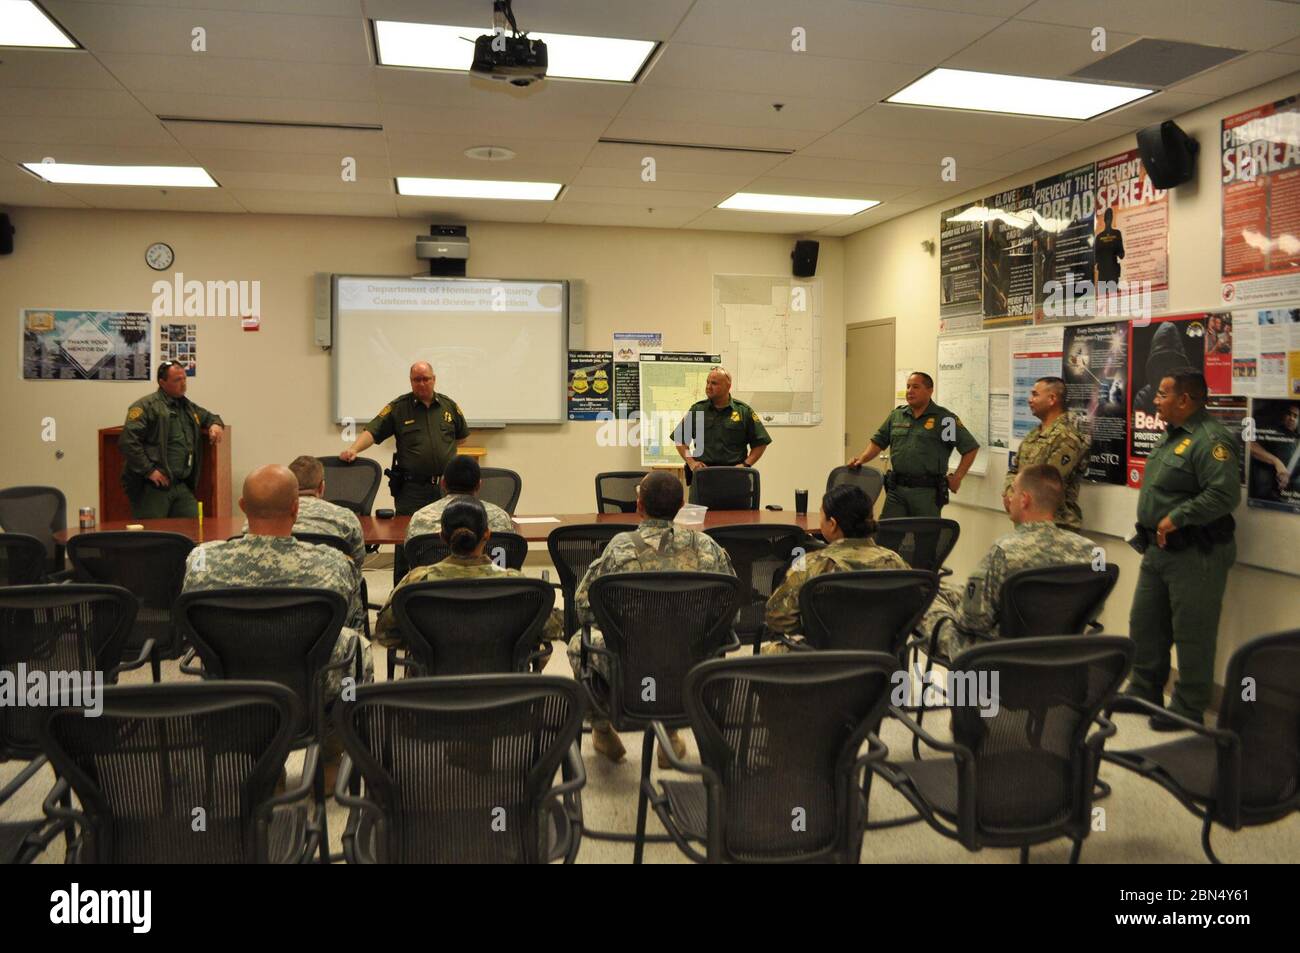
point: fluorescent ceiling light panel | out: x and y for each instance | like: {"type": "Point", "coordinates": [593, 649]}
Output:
{"type": "Point", "coordinates": [175, 176]}
{"type": "Point", "coordinates": [431, 46]}
{"type": "Point", "coordinates": [23, 23]}
{"type": "Point", "coordinates": [478, 189]}
{"type": "Point", "coordinates": [796, 204]}
{"type": "Point", "coordinates": [1020, 95]}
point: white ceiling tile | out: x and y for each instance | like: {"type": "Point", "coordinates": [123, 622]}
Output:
{"type": "Point", "coordinates": [629, 176]}
{"type": "Point", "coordinates": [264, 109]}
{"type": "Point", "coordinates": [1292, 47]}
{"type": "Point", "coordinates": [995, 8]}
{"type": "Point", "coordinates": [847, 145]}
{"type": "Point", "coordinates": [669, 104]}
{"type": "Point", "coordinates": [645, 198]}
{"type": "Point", "coordinates": [454, 211]}
{"type": "Point", "coordinates": [333, 8]}
{"type": "Point", "coordinates": [578, 213]}
{"type": "Point", "coordinates": [463, 168]}
{"type": "Point", "coordinates": [408, 118]}
{"type": "Point", "coordinates": [205, 72]}
{"type": "Point", "coordinates": [100, 103]}
{"type": "Point", "coordinates": [60, 130]}
{"type": "Point", "coordinates": [162, 153]}
{"type": "Point", "coordinates": [669, 160]}
{"type": "Point", "coordinates": [176, 200]}
{"type": "Point", "coordinates": [459, 91]}
{"type": "Point", "coordinates": [225, 161]}
{"type": "Point", "coordinates": [300, 182]}
{"type": "Point", "coordinates": [1245, 72]}
{"type": "Point", "coordinates": [59, 69]}
{"type": "Point", "coordinates": [953, 125]}
{"type": "Point", "coordinates": [438, 147]}
{"type": "Point", "coordinates": [1083, 136]}
{"type": "Point", "coordinates": [1239, 24]}
{"type": "Point", "coordinates": [779, 185]}
{"type": "Point", "coordinates": [734, 221]}
{"type": "Point", "coordinates": [19, 187]}
{"type": "Point", "coordinates": [849, 170]}
{"type": "Point", "coordinates": [333, 142]}
{"type": "Point", "coordinates": [278, 202]}
{"type": "Point", "coordinates": [1156, 108]}
{"type": "Point", "coordinates": [1036, 49]}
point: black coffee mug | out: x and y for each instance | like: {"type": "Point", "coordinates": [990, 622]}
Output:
{"type": "Point", "coordinates": [801, 502]}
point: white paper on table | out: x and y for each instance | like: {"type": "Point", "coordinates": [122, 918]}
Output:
{"type": "Point", "coordinates": [535, 519]}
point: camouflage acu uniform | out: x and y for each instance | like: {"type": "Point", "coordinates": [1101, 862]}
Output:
{"type": "Point", "coordinates": [1034, 545]}
{"type": "Point", "coordinates": [388, 633]}
{"type": "Point", "coordinates": [428, 519]}
{"type": "Point", "coordinates": [843, 555]}
{"type": "Point", "coordinates": [1063, 447]}
{"type": "Point", "coordinates": [269, 561]}
{"type": "Point", "coordinates": [316, 515]}
{"type": "Point", "coordinates": [656, 545]}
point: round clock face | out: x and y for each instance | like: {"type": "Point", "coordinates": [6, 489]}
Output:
{"type": "Point", "coordinates": [160, 256]}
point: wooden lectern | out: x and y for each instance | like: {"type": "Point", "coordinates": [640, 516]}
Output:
{"type": "Point", "coordinates": [214, 490]}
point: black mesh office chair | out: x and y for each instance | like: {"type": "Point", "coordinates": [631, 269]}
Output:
{"type": "Point", "coordinates": [1244, 771]}
{"type": "Point", "coordinates": [924, 542]}
{"type": "Point", "coordinates": [462, 770]}
{"type": "Point", "coordinates": [354, 484]}
{"type": "Point", "coordinates": [870, 481]}
{"type": "Point", "coordinates": [336, 542]}
{"type": "Point", "coordinates": [159, 753]}
{"type": "Point", "coordinates": [781, 777]}
{"type": "Point", "coordinates": [505, 549]}
{"type": "Point", "coordinates": [573, 549]}
{"type": "Point", "coordinates": [473, 626]}
{"type": "Point", "coordinates": [53, 629]}
{"type": "Point", "coordinates": [726, 488]}
{"type": "Point", "coordinates": [502, 487]}
{"type": "Point", "coordinates": [39, 511]}
{"type": "Point", "coordinates": [151, 565]}
{"type": "Point", "coordinates": [616, 490]}
{"type": "Point", "coordinates": [1021, 766]}
{"type": "Point", "coordinates": [22, 560]}
{"type": "Point", "coordinates": [656, 627]}
{"type": "Point", "coordinates": [868, 611]}
{"type": "Point", "coordinates": [760, 553]}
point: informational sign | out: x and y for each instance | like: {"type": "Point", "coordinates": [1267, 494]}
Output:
{"type": "Point", "coordinates": [962, 386]}
{"type": "Point", "coordinates": [1275, 456]}
{"type": "Point", "coordinates": [670, 383]}
{"type": "Point", "coordinates": [178, 342]}
{"type": "Point", "coordinates": [1164, 347]}
{"type": "Point", "coordinates": [1035, 353]}
{"type": "Point", "coordinates": [628, 348]}
{"type": "Point", "coordinates": [961, 246]}
{"type": "Point", "coordinates": [1008, 271]}
{"type": "Point", "coordinates": [1131, 244]}
{"type": "Point", "coordinates": [1265, 353]}
{"type": "Point", "coordinates": [1095, 371]}
{"type": "Point", "coordinates": [86, 345]}
{"type": "Point", "coordinates": [1063, 239]}
{"type": "Point", "coordinates": [591, 390]}
{"type": "Point", "coordinates": [1231, 412]}
{"type": "Point", "coordinates": [1218, 353]}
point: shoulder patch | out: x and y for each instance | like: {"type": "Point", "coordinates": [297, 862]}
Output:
{"type": "Point", "coordinates": [387, 409]}
{"type": "Point", "coordinates": [135, 413]}
{"type": "Point", "coordinates": [754, 414]}
{"type": "Point", "coordinates": [1221, 453]}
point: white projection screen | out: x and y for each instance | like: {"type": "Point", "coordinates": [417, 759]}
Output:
{"type": "Point", "coordinates": [497, 346]}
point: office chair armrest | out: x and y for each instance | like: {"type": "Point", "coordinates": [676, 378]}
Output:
{"type": "Point", "coordinates": [303, 790]}
{"type": "Point", "coordinates": [187, 665]}
{"type": "Point", "coordinates": [1094, 626]}
{"type": "Point", "coordinates": [565, 800]}
{"type": "Point", "coordinates": [145, 651]}
{"type": "Point", "coordinates": [666, 746]}
{"type": "Point", "coordinates": [876, 751]}
{"type": "Point", "coordinates": [53, 809]}
{"type": "Point", "coordinates": [342, 789]}
{"type": "Point", "coordinates": [734, 642]}
{"type": "Point", "coordinates": [26, 774]}
{"type": "Point", "coordinates": [589, 646]}
{"type": "Point", "coordinates": [348, 660]}
{"type": "Point", "coordinates": [960, 752]}
{"type": "Point", "coordinates": [795, 645]}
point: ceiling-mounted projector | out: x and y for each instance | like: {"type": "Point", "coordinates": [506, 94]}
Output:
{"type": "Point", "coordinates": [513, 58]}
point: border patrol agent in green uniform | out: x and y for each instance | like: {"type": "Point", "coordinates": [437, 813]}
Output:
{"type": "Point", "coordinates": [162, 446]}
{"type": "Point", "coordinates": [1055, 442]}
{"type": "Point", "coordinates": [725, 432]}
{"type": "Point", "coordinates": [921, 436]}
{"type": "Point", "coordinates": [1185, 534]}
{"type": "Point", "coordinates": [428, 427]}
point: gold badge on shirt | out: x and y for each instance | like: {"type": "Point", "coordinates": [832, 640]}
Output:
{"type": "Point", "coordinates": [735, 416]}
{"type": "Point", "coordinates": [929, 423]}
{"type": "Point", "coordinates": [135, 413]}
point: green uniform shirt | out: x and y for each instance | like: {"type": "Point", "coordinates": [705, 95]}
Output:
{"type": "Point", "coordinates": [426, 436]}
{"type": "Point", "coordinates": [720, 436]}
{"type": "Point", "coordinates": [181, 437]}
{"type": "Point", "coordinates": [916, 444]}
{"type": "Point", "coordinates": [1062, 447]}
{"type": "Point", "coordinates": [149, 439]}
{"type": "Point", "coordinates": [1191, 475]}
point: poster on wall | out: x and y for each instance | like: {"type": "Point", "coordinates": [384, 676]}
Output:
{"type": "Point", "coordinates": [1095, 371]}
{"type": "Point", "coordinates": [962, 386]}
{"type": "Point", "coordinates": [1231, 411]}
{"type": "Point", "coordinates": [1063, 237]}
{"type": "Point", "coordinates": [961, 239]}
{"type": "Point", "coordinates": [1275, 456]}
{"type": "Point", "coordinates": [1266, 353]}
{"type": "Point", "coordinates": [1007, 274]}
{"type": "Point", "coordinates": [1166, 346]}
{"type": "Point", "coordinates": [1035, 353]}
{"type": "Point", "coordinates": [178, 342]}
{"type": "Point", "coordinates": [1260, 183]}
{"type": "Point", "coordinates": [1218, 353]}
{"type": "Point", "coordinates": [1131, 235]}
{"type": "Point", "coordinates": [86, 345]}
{"type": "Point", "coordinates": [591, 393]}
{"type": "Point", "coordinates": [628, 348]}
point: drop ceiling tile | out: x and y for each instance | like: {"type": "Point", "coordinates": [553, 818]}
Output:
{"type": "Point", "coordinates": [454, 211]}
{"type": "Point", "coordinates": [1242, 24]}
{"type": "Point", "coordinates": [953, 125]}
{"type": "Point", "coordinates": [74, 103]}
{"type": "Point", "coordinates": [175, 200]}
{"type": "Point", "coordinates": [450, 90]}
{"type": "Point", "coordinates": [849, 170]}
{"type": "Point", "coordinates": [646, 198]}
{"type": "Point", "coordinates": [629, 176]}
{"type": "Point", "coordinates": [733, 221]}
{"type": "Point", "coordinates": [875, 191]}
{"type": "Point", "coordinates": [1292, 47]}
{"type": "Point", "coordinates": [333, 8]}
{"type": "Point", "coordinates": [291, 163]}
{"type": "Point", "coordinates": [579, 213]}
{"type": "Point", "coordinates": [332, 142]}
{"type": "Point", "coordinates": [264, 109]}
{"type": "Point", "coordinates": [669, 104]}
{"type": "Point", "coordinates": [57, 69]}
{"type": "Point", "coordinates": [669, 160]}
{"type": "Point", "coordinates": [406, 118]}
{"type": "Point", "coordinates": [262, 79]}
{"type": "Point", "coordinates": [470, 169]}
{"type": "Point", "coordinates": [847, 145]}
{"type": "Point", "coordinates": [163, 153]}
{"type": "Point", "coordinates": [1156, 108]}
{"type": "Point", "coordinates": [19, 187]}
{"type": "Point", "coordinates": [709, 133]}
{"type": "Point", "coordinates": [300, 182]}
{"type": "Point", "coordinates": [631, 19]}
{"type": "Point", "coordinates": [1036, 49]}
{"type": "Point", "coordinates": [55, 131]}
{"type": "Point", "coordinates": [451, 145]}
{"type": "Point", "coordinates": [278, 202]}
{"type": "Point", "coordinates": [1243, 73]}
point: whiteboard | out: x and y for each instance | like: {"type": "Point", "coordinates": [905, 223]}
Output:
{"type": "Point", "coordinates": [498, 347]}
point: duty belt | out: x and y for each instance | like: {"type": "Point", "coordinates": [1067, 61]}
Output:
{"type": "Point", "coordinates": [1204, 537]}
{"type": "Point", "coordinates": [909, 481]}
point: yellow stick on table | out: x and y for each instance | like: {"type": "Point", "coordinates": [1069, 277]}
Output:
{"type": "Point", "coordinates": [200, 522]}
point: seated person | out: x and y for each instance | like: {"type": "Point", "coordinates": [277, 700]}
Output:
{"type": "Point", "coordinates": [847, 524]}
{"type": "Point", "coordinates": [1036, 543]}
{"type": "Point", "coordinates": [318, 515]}
{"type": "Point", "coordinates": [461, 480]}
{"type": "Point", "coordinates": [656, 545]}
{"type": "Point", "coordinates": [464, 528]}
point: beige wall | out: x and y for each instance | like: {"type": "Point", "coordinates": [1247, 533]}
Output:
{"type": "Point", "coordinates": [887, 274]}
{"type": "Point", "coordinates": [273, 386]}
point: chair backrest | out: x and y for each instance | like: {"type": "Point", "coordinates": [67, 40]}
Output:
{"type": "Point", "coordinates": [326, 539]}
{"type": "Point", "coordinates": [64, 632]}
{"type": "Point", "coordinates": [573, 549]}
{"type": "Point", "coordinates": [782, 734]}
{"type": "Point", "coordinates": [157, 752]}
{"type": "Point", "coordinates": [458, 767]}
{"type": "Point", "coordinates": [22, 560]}
{"type": "Point", "coordinates": [354, 484]}
{"type": "Point", "coordinates": [273, 634]}
{"type": "Point", "coordinates": [1268, 724]}
{"type": "Point", "coordinates": [505, 549]}
{"type": "Point", "coordinates": [502, 487]}
{"type": "Point", "coordinates": [472, 626]}
{"type": "Point", "coordinates": [1057, 600]}
{"type": "Point", "coordinates": [868, 479]}
{"type": "Point", "coordinates": [658, 625]}
{"type": "Point", "coordinates": [759, 552]}
{"type": "Point", "coordinates": [1024, 708]}
{"type": "Point", "coordinates": [924, 542]}
{"type": "Point", "coordinates": [726, 488]}
{"type": "Point", "coordinates": [39, 511]}
{"type": "Point", "coordinates": [150, 564]}
{"type": "Point", "coordinates": [867, 611]}
{"type": "Point", "coordinates": [616, 490]}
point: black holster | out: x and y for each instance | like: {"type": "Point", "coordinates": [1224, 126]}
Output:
{"type": "Point", "coordinates": [396, 478]}
{"type": "Point", "coordinates": [941, 494]}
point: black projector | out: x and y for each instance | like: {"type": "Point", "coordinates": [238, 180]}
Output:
{"type": "Point", "coordinates": [516, 60]}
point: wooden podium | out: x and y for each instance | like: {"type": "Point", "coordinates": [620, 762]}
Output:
{"type": "Point", "coordinates": [214, 490]}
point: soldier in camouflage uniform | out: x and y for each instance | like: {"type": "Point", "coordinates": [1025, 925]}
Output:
{"type": "Point", "coordinates": [1035, 543]}
{"type": "Point", "coordinates": [656, 545]}
{"type": "Point", "coordinates": [1056, 442]}
{"type": "Point", "coordinates": [461, 480]}
{"type": "Point", "coordinates": [319, 515]}
{"type": "Point", "coordinates": [847, 525]}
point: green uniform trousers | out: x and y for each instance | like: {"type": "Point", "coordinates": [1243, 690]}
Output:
{"type": "Point", "coordinates": [1177, 603]}
{"type": "Point", "coordinates": [910, 501]}
{"type": "Point", "coordinates": [410, 498]}
{"type": "Point", "coordinates": [161, 502]}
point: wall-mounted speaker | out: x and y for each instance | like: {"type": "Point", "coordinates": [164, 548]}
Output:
{"type": "Point", "coordinates": [1168, 154]}
{"type": "Point", "coordinates": [804, 257]}
{"type": "Point", "coordinates": [6, 236]}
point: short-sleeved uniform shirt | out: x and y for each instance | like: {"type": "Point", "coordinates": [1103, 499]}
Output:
{"type": "Point", "coordinates": [1191, 476]}
{"type": "Point", "coordinates": [1063, 447]}
{"type": "Point", "coordinates": [916, 444]}
{"type": "Point", "coordinates": [426, 436]}
{"type": "Point", "coordinates": [721, 436]}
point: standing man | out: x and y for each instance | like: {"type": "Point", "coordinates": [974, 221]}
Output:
{"type": "Point", "coordinates": [428, 427]}
{"type": "Point", "coordinates": [1055, 442]}
{"type": "Point", "coordinates": [1185, 534]}
{"type": "Point", "coordinates": [724, 432]}
{"type": "Point", "coordinates": [921, 435]}
{"type": "Point", "coordinates": [162, 446]}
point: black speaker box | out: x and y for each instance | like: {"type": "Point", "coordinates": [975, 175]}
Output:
{"type": "Point", "coordinates": [805, 259]}
{"type": "Point", "coordinates": [6, 236]}
{"type": "Point", "coordinates": [1168, 154]}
